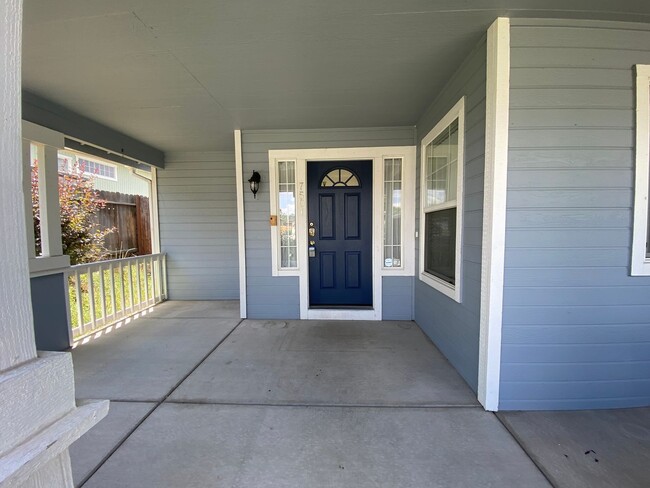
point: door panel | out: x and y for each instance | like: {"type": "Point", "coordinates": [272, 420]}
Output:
{"type": "Point", "coordinates": [340, 209]}
{"type": "Point", "coordinates": [352, 216]}
{"type": "Point", "coordinates": [352, 269]}
{"type": "Point", "coordinates": [326, 220]}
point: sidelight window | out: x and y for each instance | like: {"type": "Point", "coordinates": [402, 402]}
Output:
{"type": "Point", "coordinates": [393, 212]}
{"type": "Point", "coordinates": [641, 225]}
{"type": "Point", "coordinates": [287, 214]}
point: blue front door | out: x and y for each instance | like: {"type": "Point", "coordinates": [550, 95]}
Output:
{"type": "Point", "coordinates": [340, 233]}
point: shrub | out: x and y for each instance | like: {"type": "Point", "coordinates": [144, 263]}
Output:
{"type": "Point", "coordinates": [82, 237]}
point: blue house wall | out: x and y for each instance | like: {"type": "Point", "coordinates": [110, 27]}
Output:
{"type": "Point", "coordinates": [576, 325]}
{"type": "Point", "coordinates": [453, 326]}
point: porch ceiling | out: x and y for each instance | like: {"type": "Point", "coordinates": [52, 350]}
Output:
{"type": "Point", "coordinates": [181, 75]}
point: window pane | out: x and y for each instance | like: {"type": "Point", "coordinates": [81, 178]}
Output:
{"type": "Point", "coordinates": [339, 177]}
{"type": "Point", "coordinates": [392, 213]}
{"type": "Point", "coordinates": [440, 244]}
{"type": "Point", "coordinates": [442, 167]}
{"type": "Point", "coordinates": [287, 211]}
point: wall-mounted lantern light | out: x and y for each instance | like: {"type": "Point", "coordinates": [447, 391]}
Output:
{"type": "Point", "coordinates": [254, 181]}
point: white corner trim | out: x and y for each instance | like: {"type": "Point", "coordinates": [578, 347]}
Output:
{"type": "Point", "coordinates": [241, 229]}
{"type": "Point", "coordinates": [640, 264]}
{"type": "Point", "coordinates": [494, 211]}
{"type": "Point", "coordinates": [154, 211]}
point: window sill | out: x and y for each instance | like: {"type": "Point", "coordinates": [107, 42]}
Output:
{"type": "Point", "coordinates": [641, 268]}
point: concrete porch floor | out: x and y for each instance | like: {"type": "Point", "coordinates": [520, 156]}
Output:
{"type": "Point", "coordinates": [203, 399]}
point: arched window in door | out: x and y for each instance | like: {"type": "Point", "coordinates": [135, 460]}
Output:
{"type": "Point", "coordinates": [340, 177]}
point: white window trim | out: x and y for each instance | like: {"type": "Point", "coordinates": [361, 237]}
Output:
{"type": "Point", "coordinates": [377, 155]}
{"type": "Point", "coordinates": [407, 267]}
{"type": "Point", "coordinates": [277, 270]}
{"type": "Point", "coordinates": [640, 265]}
{"type": "Point", "coordinates": [457, 112]}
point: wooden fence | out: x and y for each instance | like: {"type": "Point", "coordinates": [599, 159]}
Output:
{"type": "Point", "coordinates": [129, 215]}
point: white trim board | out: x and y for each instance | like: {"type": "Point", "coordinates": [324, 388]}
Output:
{"type": "Point", "coordinates": [377, 155]}
{"type": "Point", "coordinates": [241, 229]}
{"type": "Point", "coordinates": [640, 265]}
{"type": "Point", "coordinates": [494, 211]}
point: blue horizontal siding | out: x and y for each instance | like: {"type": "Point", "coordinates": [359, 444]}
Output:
{"type": "Point", "coordinates": [454, 327]}
{"type": "Point", "coordinates": [198, 225]}
{"type": "Point", "coordinates": [576, 328]}
{"type": "Point", "coordinates": [397, 302]}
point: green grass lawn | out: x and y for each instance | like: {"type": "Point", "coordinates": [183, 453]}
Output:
{"type": "Point", "coordinates": [122, 301]}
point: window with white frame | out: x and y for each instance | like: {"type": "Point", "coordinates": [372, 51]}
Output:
{"type": "Point", "coordinates": [286, 174]}
{"type": "Point", "coordinates": [393, 212]}
{"type": "Point", "coordinates": [96, 168]}
{"type": "Point", "coordinates": [641, 225]}
{"type": "Point", "coordinates": [441, 203]}
{"type": "Point", "coordinates": [76, 163]}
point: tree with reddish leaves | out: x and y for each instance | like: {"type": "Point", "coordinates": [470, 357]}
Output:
{"type": "Point", "coordinates": [82, 237]}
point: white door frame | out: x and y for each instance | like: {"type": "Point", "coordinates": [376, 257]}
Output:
{"type": "Point", "coordinates": [377, 156]}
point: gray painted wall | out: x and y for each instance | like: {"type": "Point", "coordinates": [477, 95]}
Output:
{"type": "Point", "coordinates": [454, 327]}
{"type": "Point", "coordinates": [279, 297]}
{"type": "Point", "coordinates": [576, 326]}
{"type": "Point", "coordinates": [397, 294]}
{"type": "Point", "coordinates": [198, 225]}
{"type": "Point", "coordinates": [49, 302]}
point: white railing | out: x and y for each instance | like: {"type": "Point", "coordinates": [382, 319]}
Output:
{"type": "Point", "coordinates": [106, 292]}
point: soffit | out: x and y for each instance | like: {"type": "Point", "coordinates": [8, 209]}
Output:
{"type": "Point", "coordinates": [182, 75]}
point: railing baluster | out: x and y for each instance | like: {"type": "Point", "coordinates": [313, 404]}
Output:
{"type": "Point", "coordinates": [122, 294]}
{"type": "Point", "coordinates": [146, 281]}
{"type": "Point", "coordinates": [154, 277]}
{"type": "Point", "coordinates": [102, 291]}
{"type": "Point", "coordinates": [138, 282]}
{"type": "Point", "coordinates": [111, 284]}
{"type": "Point", "coordinates": [163, 277]}
{"type": "Point", "coordinates": [130, 266]}
{"type": "Point", "coordinates": [77, 289]}
{"type": "Point", "coordinates": [91, 298]}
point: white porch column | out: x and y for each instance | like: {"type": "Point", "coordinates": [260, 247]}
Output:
{"type": "Point", "coordinates": [38, 416]}
{"type": "Point", "coordinates": [48, 191]}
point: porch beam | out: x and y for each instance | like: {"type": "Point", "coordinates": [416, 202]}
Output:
{"type": "Point", "coordinates": [84, 130]}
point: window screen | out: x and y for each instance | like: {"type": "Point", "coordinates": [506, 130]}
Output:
{"type": "Point", "coordinates": [440, 244]}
